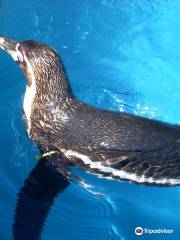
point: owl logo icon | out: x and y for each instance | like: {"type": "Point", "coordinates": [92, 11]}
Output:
{"type": "Point", "coordinates": [138, 231]}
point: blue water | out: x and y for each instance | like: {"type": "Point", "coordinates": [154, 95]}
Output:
{"type": "Point", "coordinates": [120, 54]}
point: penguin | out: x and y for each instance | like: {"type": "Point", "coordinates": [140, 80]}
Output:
{"type": "Point", "coordinates": [114, 145]}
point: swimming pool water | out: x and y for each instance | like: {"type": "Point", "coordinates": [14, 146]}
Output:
{"type": "Point", "coordinates": [122, 55]}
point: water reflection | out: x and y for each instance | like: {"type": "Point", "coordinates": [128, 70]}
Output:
{"type": "Point", "coordinates": [36, 197]}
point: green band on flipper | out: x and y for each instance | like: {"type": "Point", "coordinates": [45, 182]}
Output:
{"type": "Point", "coordinates": [47, 154]}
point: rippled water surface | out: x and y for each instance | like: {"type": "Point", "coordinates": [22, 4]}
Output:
{"type": "Point", "coordinates": [120, 55]}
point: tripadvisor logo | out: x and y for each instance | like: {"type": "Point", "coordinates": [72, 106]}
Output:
{"type": "Point", "coordinates": [139, 231]}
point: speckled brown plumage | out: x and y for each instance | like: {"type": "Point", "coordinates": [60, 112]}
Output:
{"type": "Point", "coordinates": [147, 148]}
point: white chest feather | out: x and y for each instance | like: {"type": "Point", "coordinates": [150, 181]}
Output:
{"type": "Point", "coordinates": [27, 104]}
{"type": "Point", "coordinates": [29, 97]}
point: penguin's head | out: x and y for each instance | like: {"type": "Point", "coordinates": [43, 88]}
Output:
{"type": "Point", "coordinates": [40, 63]}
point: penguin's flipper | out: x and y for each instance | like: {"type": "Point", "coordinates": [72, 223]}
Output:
{"type": "Point", "coordinates": [48, 178]}
{"type": "Point", "coordinates": [157, 167]}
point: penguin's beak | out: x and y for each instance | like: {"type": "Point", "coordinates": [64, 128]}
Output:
{"type": "Point", "coordinates": [9, 46]}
